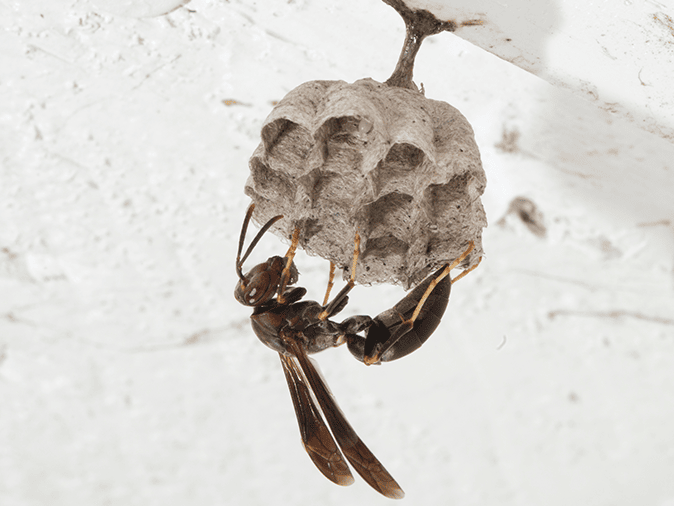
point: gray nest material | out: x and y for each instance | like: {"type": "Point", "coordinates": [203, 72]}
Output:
{"type": "Point", "coordinates": [402, 170]}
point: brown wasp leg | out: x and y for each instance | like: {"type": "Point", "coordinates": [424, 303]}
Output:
{"type": "Point", "coordinates": [431, 287]}
{"type": "Point", "coordinates": [407, 325]}
{"type": "Point", "coordinates": [331, 308]}
{"type": "Point", "coordinates": [285, 275]}
{"type": "Point", "coordinates": [470, 269]}
{"type": "Point", "coordinates": [437, 280]}
{"type": "Point", "coordinates": [331, 283]}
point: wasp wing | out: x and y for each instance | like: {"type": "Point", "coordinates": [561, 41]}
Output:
{"type": "Point", "coordinates": [360, 457]}
{"type": "Point", "coordinates": [316, 437]}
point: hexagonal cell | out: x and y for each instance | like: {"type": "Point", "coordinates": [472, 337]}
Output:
{"type": "Point", "coordinates": [287, 145]}
{"type": "Point", "coordinates": [398, 169]}
{"type": "Point", "coordinates": [269, 183]}
{"type": "Point", "coordinates": [390, 215]}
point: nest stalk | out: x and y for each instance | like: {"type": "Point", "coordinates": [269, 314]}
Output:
{"type": "Point", "coordinates": [419, 25]}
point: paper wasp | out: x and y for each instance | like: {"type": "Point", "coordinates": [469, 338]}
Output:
{"type": "Point", "coordinates": [295, 328]}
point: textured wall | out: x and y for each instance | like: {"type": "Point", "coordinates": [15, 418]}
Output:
{"type": "Point", "coordinates": [129, 374]}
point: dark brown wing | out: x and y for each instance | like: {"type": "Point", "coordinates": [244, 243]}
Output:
{"type": "Point", "coordinates": [316, 437]}
{"type": "Point", "coordinates": [361, 458]}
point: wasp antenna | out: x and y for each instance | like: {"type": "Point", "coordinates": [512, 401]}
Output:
{"type": "Point", "coordinates": [242, 237]}
{"type": "Point", "coordinates": [259, 235]}
{"type": "Point", "coordinates": [267, 226]}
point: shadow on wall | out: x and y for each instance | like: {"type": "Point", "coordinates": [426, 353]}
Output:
{"type": "Point", "coordinates": [523, 26]}
{"type": "Point", "coordinates": [618, 171]}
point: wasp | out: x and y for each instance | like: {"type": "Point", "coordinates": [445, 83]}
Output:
{"type": "Point", "coordinates": [296, 328]}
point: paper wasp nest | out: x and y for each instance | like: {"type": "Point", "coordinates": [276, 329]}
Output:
{"type": "Point", "coordinates": [402, 170]}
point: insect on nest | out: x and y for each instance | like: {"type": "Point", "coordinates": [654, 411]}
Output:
{"type": "Point", "coordinates": [296, 328]}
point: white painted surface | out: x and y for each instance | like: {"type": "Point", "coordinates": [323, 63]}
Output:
{"type": "Point", "coordinates": [136, 8]}
{"type": "Point", "coordinates": [619, 55]}
{"type": "Point", "coordinates": [128, 373]}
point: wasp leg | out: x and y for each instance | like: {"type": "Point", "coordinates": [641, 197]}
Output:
{"type": "Point", "coordinates": [402, 329]}
{"type": "Point", "coordinates": [434, 283]}
{"type": "Point", "coordinates": [338, 303]}
{"type": "Point", "coordinates": [285, 275]}
{"type": "Point", "coordinates": [331, 283]}
{"type": "Point", "coordinates": [470, 269]}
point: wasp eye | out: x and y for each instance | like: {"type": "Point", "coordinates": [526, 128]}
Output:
{"type": "Point", "coordinates": [251, 296]}
{"type": "Point", "coordinates": [257, 290]}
